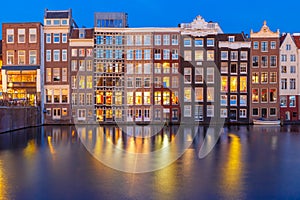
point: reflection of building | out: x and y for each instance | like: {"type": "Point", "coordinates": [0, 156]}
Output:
{"type": "Point", "coordinates": [82, 89]}
{"type": "Point", "coordinates": [264, 70]}
{"type": "Point", "coordinates": [199, 68]}
{"type": "Point", "coordinates": [57, 28]}
{"type": "Point", "coordinates": [22, 61]}
{"type": "Point", "coordinates": [233, 57]}
{"type": "Point", "coordinates": [289, 81]}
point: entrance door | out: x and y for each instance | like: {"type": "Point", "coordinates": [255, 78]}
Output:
{"type": "Point", "coordinates": [233, 115]}
{"type": "Point", "coordinates": [287, 115]}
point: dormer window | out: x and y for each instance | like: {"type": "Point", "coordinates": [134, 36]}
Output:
{"type": "Point", "coordinates": [64, 22]}
{"type": "Point", "coordinates": [56, 22]}
{"type": "Point", "coordinates": [231, 39]}
{"type": "Point", "coordinates": [81, 34]}
{"type": "Point", "coordinates": [48, 22]}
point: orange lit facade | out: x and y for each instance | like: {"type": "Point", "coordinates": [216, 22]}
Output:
{"type": "Point", "coordinates": [264, 72]}
{"type": "Point", "coordinates": [22, 61]}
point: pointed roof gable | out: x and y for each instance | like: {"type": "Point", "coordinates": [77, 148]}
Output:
{"type": "Point", "coordinates": [264, 32]}
{"type": "Point", "coordinates": [296, 38]}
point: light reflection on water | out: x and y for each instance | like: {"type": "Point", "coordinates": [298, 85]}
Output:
{"type": "Point", "coordinates": [247, 163]}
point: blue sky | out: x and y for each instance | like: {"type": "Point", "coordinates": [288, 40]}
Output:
{"type": "Point", "coordinates": [232, 15]}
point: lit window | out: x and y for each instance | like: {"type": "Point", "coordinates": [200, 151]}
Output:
{"type": "Point", "coordinates": [210, 94]}
{"type": "Point", "coordinates": [187, 94]}
{"type": "Point", "coordinates": [210, 55]}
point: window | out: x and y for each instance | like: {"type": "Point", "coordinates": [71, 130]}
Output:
{"type": "Point", "coordinates": [210, 42]}
{"type": "Point", "coordinates": [74, 52]}
{"type": "Point", "coordinates": [56, 22]}
{"type": "Point", "coordinates": [187, 111]}
{"type": "Point", "coordinates": [233, 68]}
{"type": "Point", "coordinates": [283, 101]}
{"type": "Point", "coordinates": [157, 68]}
{"type": "Point", "coordinates": [108, 54]}
{"type": "Point", "coordinates": [166, 39]}
{"type": "Point", "coordinates": [273, 95]}
{"type": "Point", "coordinates": [255, 95]}
{"type": "Point", "coordinates": [210, 94]}
{"type": "Point", "coordinates": [273, 45]}
{"type": "Point", "coordinates": [243, 68]}
{"type": "Point", "coordinates": [288, 47]}
{"type": "Point", "coordinates": [81, 52]}
{"type": "Point", "coordinates": [244, 55]}
{"type": "Point", "coordinates": [21, 35]}
{"type": "Point", "coordinates": [89, 82]}
{"type": "Point", "coordinates": [129, 82]}
{"type": "Point", "coordinates": [21, 57]}
{"type": "Point", "coordinates": [264, 61]}
{"type": "Point", "coordinates": [255, 112]}
{"type": "Point", "coordinates": [10, 36]}
{"type": "Point", "coordinates": [283, 83]}
{"type": "Point", "coordinates": [175, 97]}
{"type": "Point", "coordinates": [138, 54]}
{"type": "Point", "coordinates": [81, 82]}
{"type": "Point", "coordinates": [292, 84]}
{"type": "Point", "coordinates": [147, 68]}
{"type": "Point", "coordinates": [224, 55]}
{"type": "Point", "coordinates": [243, 84]}
{"type": "Point", "coordinates": [187, 75]}
{"type": "Point", "coordinates": [64, 55]}
{"type": "Point", "coordinates": [210, 55]}
{"type": "Point", "coordinates": [157, 54]}
{"type": "Point", "coordinates": [56, 56]}
{"type": "Point", "coordinates": [264, 95]}
{"type": "Point", "coordinates": [138, 98]}
{"type": "Point", "coordinates": [175, 82]}
{"type": "Point", "coordinates": [224, 84]}
{"type": "Point", "coordinates": [174, 68]}
{"type": "Point", "coordinates": [272, 111]}
{"type": "Point", "coordinates": [210, 111]}
{"type": "Point", "coordinates": [199, 113]}
{"type": "Point", "coordinates": [81, 114]}
{"type": "Point", "coordinates": [254, 61]}
{"type": "Point", "coordinates": [187, 42]}
{"type": "Point", "coordinates": [255, 45]}
{"type": "Point", "coordinates": [166, 68]}
{"type": "Point", "coordinates": [147, 54]}
{"type": "Point", "coordinates": [56, 75]}
{"type": "Point", "coordinates": [32, 57]}
{"type": "Point", "coordinates": [166, 54]}
{"type": "Point", "coordinates": [243, 100]}
{"type": "Point", "coordinates": [231, 38]}
{"type": "Point", "coordinates": [233, 100]}
{"type": "Point", "coordinates": [32, 35]}
{"type": "Point", "coordinates": [56, 38]}
{"type": "Point", "coordinates": [147, 98]}
{"type": "Point", "coordinates": [81, 99]}
{"type": "Point", "coordinates": [130, 54]}
{"type": "Point", "coordinates": [166, 98]}
{"type": "Point", "coordinates": [199, 94]}
{"type": "Point", "coordinates": [64, 74]}
{"type": "Point", "coordinates": [174, 54]}
{"type": "Point", "coordinates": [198, 55]}
{"type": "Point", "coordinates": [233, 84]}
{"type": "Point", "coordinates": [187, 94]}
{"type": "Point", "coordinates": [48, 96]}
{"type": "Point", "coordinates": [138, 82]}
{"type": "Point", "coordinates": [157, 39]}
{"type": "Point", "coordinates": [157, 98]}
{"type": "Point", "coordinates": [64, 38]}
{"type": "Point", "coordinates": [147, 40]}
{"type": "Point", "coordinates": [199, 75]}
{"type": "Point", "coordinates": [264, 77]}
{"type": "Point", "coordinates": [292, 101]}
{"type": "Point", "coordinates": [283, 69]}
{"type": "Point", "coordinates": [138, 40]}
{"type": "Point", "coordinates": [73, 82]}
{"type": "Point", "coordinates": [234, 55]}
{"type": "Point", "coordinates": [174, 39]}
{"type": "Point", "coordinates": [273, 61]}
{"type": "Point", "coordinates": [243, 113]}
{"type": "Point", "coordinates": [74, 65]}
{"type": "Point", "coordinates": [64, 95]}
{"type": "Point", "coordinates": [188, 55]}
{"type": "Point", "coordinates": [10, 57]}
{"type": "Point", "coordinates": [283, 57]}
{"type": "Point", "coordinates": [210, 75]}
{"type": "Point", "coordinates": [223, 113]}
{"type": "Point", "coordinates": [293, 69]}
{"type": "Point", "coordinates": [224, 67]}
{"type": "Point", "coordinates": [264, 46]}
{"type": "Point", "coordinates": [273, 77]}
{"type": "Point", "coordinates": [56, 113]}
{"type": "Point", "coordinates": [223, 100]}
{"type": "Point", "coordinates": [198, 42]}
{"type": "Point", "coordinates": [255, 78]}
{"type": "Point", "coordinates": [293, 58]}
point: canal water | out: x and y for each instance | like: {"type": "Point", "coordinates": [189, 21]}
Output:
{"type": "Point", "coordinates": [148, 162]}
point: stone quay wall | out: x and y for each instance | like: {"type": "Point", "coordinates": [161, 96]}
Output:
{"type": "Point", "coordinates": [14, 118]}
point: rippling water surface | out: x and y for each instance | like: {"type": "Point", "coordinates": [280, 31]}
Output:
{"type": "Point", "coordinates": [62, 162]}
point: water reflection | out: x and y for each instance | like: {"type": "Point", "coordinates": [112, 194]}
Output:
{"type": "Point", "coordinates": [3, 183]}
{"type": "Point", "coordinates": [232, 173]}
